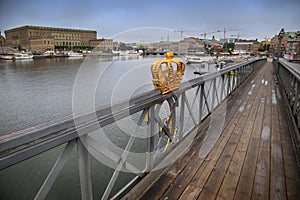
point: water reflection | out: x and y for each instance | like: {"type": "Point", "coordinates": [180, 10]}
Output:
{"type": "Point", "coordinates": [36, 91]}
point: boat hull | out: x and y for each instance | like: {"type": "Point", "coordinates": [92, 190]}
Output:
{"type": "Point", "coordinates": [7, 57]}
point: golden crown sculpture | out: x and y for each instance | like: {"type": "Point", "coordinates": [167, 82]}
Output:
{"type": "Point", "coordinates": [164, 76]}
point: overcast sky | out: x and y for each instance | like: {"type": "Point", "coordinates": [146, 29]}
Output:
{"type": "Point", "coordinates": [153, 20]}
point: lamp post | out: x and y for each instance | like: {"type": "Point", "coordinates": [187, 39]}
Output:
{"type": "Point", "coordinates": [280, 36]}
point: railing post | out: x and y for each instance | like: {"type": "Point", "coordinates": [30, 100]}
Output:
{"type": "Point", "coordinates": [222, 86]}
{"type": "Point", "coordinates": [296, 97]}
{"type": "Point", "coordinates": [59, 164]}
{"type": "Point", "coordinates": [201, 102]}
{"type": "Point", "coordinates": [150, 139]}
{"type": "Point", "coordinates": [181, 117]}
{"type": "Point", "coordinates": [84, 170]}
{"type": "Point", "coordinates": [280, 36]}
{"type": "Point", "coordinates": [228, 84]}
{"type": "Point", "coordinates": [213, 95]}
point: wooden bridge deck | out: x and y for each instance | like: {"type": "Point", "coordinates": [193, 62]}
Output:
{"type": "Point", "coordinates": [252, 159]}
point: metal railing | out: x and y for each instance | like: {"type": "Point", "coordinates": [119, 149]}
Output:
{"type": "Point", "coordinates": [164, 119]}
{"type": "Point", "coordinates": [290, 79]}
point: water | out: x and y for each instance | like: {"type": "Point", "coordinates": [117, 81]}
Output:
{"type": "Point", "coordinates": [37, 91]}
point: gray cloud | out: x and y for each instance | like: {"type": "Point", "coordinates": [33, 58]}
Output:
{"type": "Point", "coordinates": [258, 18]}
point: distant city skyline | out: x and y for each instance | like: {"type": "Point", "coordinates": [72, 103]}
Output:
{"type": "Point", "coordinates": [152, 21]}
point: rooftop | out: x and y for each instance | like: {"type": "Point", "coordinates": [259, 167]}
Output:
{"type": "Point", "coordinates": [47, 28]}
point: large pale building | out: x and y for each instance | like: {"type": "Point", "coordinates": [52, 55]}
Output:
{"type": "Point", "coordinates": [37, 38]}
{"type": "Point", "coordinates": [102, 44]}
{"type": "Point", "coordinates": [251, 46]}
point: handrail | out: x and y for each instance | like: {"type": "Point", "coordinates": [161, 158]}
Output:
{"type": "Point", "coordinates": [208, 91]}
{"type": "Point", "coordinates": [290, 79]}
{"type": "Point", "coordinates": [137, 103]}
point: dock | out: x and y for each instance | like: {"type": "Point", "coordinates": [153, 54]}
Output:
{"type": "Point", "coordinates": [253, 158]}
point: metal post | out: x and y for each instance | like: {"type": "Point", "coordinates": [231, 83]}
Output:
{"type": "Point", "coordinates": [213, 95]}
{"type": "Point", "coordinates": [84, 170]}
{"type": "Point", "coordinates": [222, 87]}
{"type": "Point", "coordinates": [59, 164]}
{"type": "Point", "coordinates": [181, 118]}
{"type": "Point", "coordinates": [280, 36]}
{"type": "Point", "coordinates": [201, 102]}
{"type": "Point", "coordinates": [150, 140]}
{"type": "Point", "coordinates": [228, 84]}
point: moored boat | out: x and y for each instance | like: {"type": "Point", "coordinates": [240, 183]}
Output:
{"type": "Point", "coordinates": [131, 53]}
{"type": "Point", "coordinates": [17, 56]}
{"type": "Point", "coordinates": [7, 56]}
{"type": "Point", "coordinates": [23, 56]}
{"type": "Point", "coordinates": [199, 59]}
{"type": "Point", "coordinates": [74, 54]}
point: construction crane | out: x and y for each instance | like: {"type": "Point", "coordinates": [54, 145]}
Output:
{"type": "Point", "coordinates": [205, 33]}
{"type": "Point", "coordinates": [237, 36]}
{"type": "Point", "coordinates": [225, 31]}
{"type": "Point", "coordinates": [181, 31]}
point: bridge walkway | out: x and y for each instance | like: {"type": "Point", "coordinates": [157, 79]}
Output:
{"type": "Point", "coordinates": [253, 158]}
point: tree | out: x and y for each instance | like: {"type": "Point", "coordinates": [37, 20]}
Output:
{"type": "Point", "coordinates": [228, 47]}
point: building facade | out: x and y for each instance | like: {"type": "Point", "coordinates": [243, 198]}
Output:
{"type": "Point", "coordinates": [37, 38]}
{"type": "Point", "coordinates": [2, 41]}
{"type": "Point", "coordinates": [275, 42]}
{"type": "Point", "coordinates": [191, 45]}
{"type": "Point", "coordinates": [103, 44]}
{"type": "Point", "coordinates": [289, 43]}
{"type": "Point", "coordinates": [246, 46]}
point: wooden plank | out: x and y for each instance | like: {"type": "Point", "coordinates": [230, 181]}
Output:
{"type": "Point", "coordinates": [175, 169]}
{"type": "Point", "coordinates": [223, 163]}
{"type": "Point", "coordinates": [181, 182]}
{"type": "Point", "coordinates": [261, 181]}
{"type": "Point", "coordinates": [160, 186]}
{"type": "Point", "coordinates": [196, 190]}
{"type": "Point", "coordinates": [292, 177]}
{"type": "Point", "coordinates": [277, 179]}
{"type": "Point", "coordinates": [245, 183]}
{"type": "Point", "coordinates": [172, 171]}
{"type": "Point", "coordinates": [190, 193]}
{"type": "Point", "coordinates": [207, 167]}
{"type": "Point", "coordinates": [143, 185]}
{"type": "Point", "coordinates": [214, 182]}
{"type": "Point", "coordinates": [212, 185]}
{"type": "Point", "coordinates": [182, 179]}
{"type": "Point", "coordinates": [229, 184]}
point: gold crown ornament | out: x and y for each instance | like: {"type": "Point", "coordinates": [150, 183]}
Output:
{"type": "Point", "coordinates": [164, 76]}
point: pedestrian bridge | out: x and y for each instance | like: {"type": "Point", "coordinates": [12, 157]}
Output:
{"type": "Point", "coordinates": [231, 134]}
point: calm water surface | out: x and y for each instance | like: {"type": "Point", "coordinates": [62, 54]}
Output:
{"type": "Point", "coordinates": [36, 91]}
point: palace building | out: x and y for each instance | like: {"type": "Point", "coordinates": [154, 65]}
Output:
{"type": "Point", "coordinates": [37, 38]}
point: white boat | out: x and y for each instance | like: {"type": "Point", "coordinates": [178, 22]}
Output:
{"type": "Point", "coordinates": [23, 56]}
{"type": "Point", "coordinates": [74, 54]}
{"type": "Point", "coordinates": [7, 56]}
{"type": "Point", "coordinates": [49, 53]}
{"type": "Point", "coordinates": [17, 56]}
{"type": "Point", "coordinates": [199, 59]}
{"type": "Point", "coordinates": [130, 53]}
